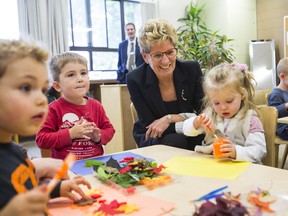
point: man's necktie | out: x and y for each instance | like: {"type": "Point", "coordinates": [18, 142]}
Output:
{"type": "Point", "coordinates": [131, 64]}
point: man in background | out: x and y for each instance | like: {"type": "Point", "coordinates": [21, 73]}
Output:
{"type": "Point", "coordinates": [129, 56]}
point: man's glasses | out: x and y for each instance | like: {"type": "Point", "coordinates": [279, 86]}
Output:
{"type": "Point", "coordinates": [159, 55]}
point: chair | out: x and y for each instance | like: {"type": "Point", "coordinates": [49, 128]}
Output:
{"type": "Point", "coordinates": [16, 138]}
{"type": "Point", "coordinates": [260, 96]}
{"type": "Point", "coordinates": [278, 142]}
{"type": "Point", "coordinates": [45, 153]}
{"type": "Point", "coordinates": [133, 113]}
{"type": "Point", "coordinates": [268, 117]}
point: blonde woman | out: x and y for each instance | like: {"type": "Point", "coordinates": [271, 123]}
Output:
{"type": "Point", "coordinates": [165, 91]}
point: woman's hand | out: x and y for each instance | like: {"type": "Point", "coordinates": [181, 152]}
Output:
{"type": "Point", "coordinates": [156, 128]}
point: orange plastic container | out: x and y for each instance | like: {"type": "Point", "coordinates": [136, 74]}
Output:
{"type": "Point", "coordinates": [216, 146]}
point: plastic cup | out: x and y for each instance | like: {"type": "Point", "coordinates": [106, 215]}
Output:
{"type": "Point", "coordinates": [216, 147]}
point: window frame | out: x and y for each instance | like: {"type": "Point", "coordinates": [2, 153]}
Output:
{"type": "Point", "coordinates": [89, 48]}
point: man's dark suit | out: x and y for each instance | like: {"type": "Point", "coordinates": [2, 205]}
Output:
{"type": "Point", "coordinates": [122, 60]}
{"type": "Point", "coordinates": [145, 94]}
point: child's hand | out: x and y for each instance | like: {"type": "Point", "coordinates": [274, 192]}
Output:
{"type": "Point", "coordinates": [202, 120]}
{"type": "Point", "coordinates": [68, 186]}
{"type": "Point", "coordinates": [31, 203]}
{"type": "Point", "coordinates": [47, 167]}
{"type": "Point", "coordinates": [95, 135]}
{"type": "Point", "coordinates": [81, 129]}
{"type": "Point", "coordinates": [228, 149]}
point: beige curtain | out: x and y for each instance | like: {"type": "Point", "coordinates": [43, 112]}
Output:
{"type": "Point", "coordinates": [45, 21]}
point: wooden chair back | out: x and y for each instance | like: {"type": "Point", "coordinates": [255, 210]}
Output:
{"type": "Point", "coordinates": [278, 141]}
{"type": "Point", "coordinates": [260, 96]}
{"type": "Point", "coordinates": [267, 98]}
{"type": "Point", "coordinates": [133, 113]}
{"type": "Point", "coordinates": [268, 117]}
{"type": "Point", "coordinates": [16, 138]}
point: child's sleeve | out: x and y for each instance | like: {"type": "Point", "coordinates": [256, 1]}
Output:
{"type": "Point", "coordinates": [188, 128]}
{"type": "Point", "coordinates": [254, 149]}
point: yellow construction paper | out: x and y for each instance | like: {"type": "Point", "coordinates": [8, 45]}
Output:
{"type": "Point", "coordinates": [206, 167]}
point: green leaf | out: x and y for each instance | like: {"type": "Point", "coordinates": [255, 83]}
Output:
{"type": "Point", "coordinates": [102, 174]}
{"type": "Point", "coordinates": [90, 163]}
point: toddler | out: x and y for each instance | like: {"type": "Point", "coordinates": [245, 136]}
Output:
{"type": "Point", "coordinates": [230, 109]}
{"type": "Point", "coordinates": [279, 97]}
{"type": "Point", "coordinates": [23, 83]}
{"type": "Point", "coordinates": [75, 123]}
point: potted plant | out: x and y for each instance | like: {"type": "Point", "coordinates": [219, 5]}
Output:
{"type": "Point", "coordinates": [197, 42]}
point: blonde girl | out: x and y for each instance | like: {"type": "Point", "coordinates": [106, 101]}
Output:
{"type": "Point", "coordinates": [231, 111]}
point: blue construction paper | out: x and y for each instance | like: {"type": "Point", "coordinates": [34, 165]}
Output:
{"type": "Point", "coordinates": [79, 166]}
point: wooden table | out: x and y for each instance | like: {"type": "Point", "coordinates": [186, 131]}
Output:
{"type": "Point", "coordinates": [187, 188]}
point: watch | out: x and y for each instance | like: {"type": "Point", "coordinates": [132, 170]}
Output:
{"type": "Point", "coordinates": [169, 117]}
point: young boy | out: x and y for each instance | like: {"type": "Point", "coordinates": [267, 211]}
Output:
{"type": "Point", "coordinates": [23, 82]}
{"type": "Point", "coordinates": [75, 122]}
{"type": "Point", "coordinates": [279, 97]}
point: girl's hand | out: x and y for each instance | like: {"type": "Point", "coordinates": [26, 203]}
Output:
{"type": "Point", "coordinates": [228, 149]}
{"type": "Point", "coordinates": [202, 120]}
{"type": "Point", "coordinates": [68, 186]}
{"type": "Point", "coordinates": [30, 203]}
{"type": "Point", "coordinates": [81, 129]}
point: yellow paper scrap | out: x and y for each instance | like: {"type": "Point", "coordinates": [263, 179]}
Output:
{"type": "Point", "coordinates": [206, 167]}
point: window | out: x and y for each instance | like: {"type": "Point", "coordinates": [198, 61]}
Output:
{"type": "Point", "coordinates": [96, 27]}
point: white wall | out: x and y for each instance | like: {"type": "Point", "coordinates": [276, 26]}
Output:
{"type": "Point", "coordinates": [234, 18]}
{"type": "Point", "coordinates": [172, 10]}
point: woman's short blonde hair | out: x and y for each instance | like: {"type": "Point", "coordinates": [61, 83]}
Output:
{"type": "Point", "coordinates": [156, 31]}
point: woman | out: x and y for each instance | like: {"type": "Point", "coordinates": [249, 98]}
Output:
{"type": "Point", "coordinates": [165, 91]}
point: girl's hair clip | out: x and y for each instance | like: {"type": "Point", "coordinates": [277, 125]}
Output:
{"type": "Point", "coordinates": [242, 67]}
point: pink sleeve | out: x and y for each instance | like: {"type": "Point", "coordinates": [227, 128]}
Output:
{"type": "Point", "coordinates": [256, 125]}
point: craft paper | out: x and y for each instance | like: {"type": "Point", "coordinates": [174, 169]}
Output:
{"type": "Point", "coordinates": [147, 205]}
{"type": "Point", "coordinates": [79, 166]}
{"type": "Point", "coordinates": [205, 167]}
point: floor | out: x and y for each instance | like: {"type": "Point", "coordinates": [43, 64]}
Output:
{"type": "Point", "coordinates": [34, 151]}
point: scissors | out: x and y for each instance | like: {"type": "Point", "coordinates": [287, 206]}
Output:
{"type": "Point", "coordinates": [212, 194]}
